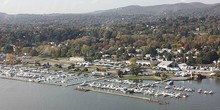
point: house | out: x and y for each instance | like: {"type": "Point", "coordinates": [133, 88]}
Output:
{"type": "Point", "coordinates": [168, 65]}
{"type": "Point", "coordinates": [147, 56]}
{"type": "Point", "coordinates": [146, 62]}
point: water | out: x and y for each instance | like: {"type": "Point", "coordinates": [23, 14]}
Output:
{"type": "Point", "coordinates": [15, 95]}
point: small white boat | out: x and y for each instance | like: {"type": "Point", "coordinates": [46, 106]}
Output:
{"type": "Point", "coordinates": [167, 87]}
{"type": "Point", "coordinates": [199, 91]}
{"type": "Point", "coordinates": [63, 81]}
{"type": "Point", "coordinates": [206, 92]}
{"type": "Point", "coordinates": [84, 84]}
{"type": "Point", "coordinates": [211, 92]}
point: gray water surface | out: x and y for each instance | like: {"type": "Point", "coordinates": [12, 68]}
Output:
{"type": "Point", "coordinates": [15, 95]}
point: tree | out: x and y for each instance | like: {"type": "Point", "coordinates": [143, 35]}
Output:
{"type": "Point", "coordinates": [26, 50]}
{"type": "Point", "coordinates": [33, 52]}
{"type": "Point", "coordinates": [63, 51]}
{"type": "Point", "coordinates": [72, 66]}
{"type": "Point", "coordinates": [133, 61]}
{"type": "Point", "coordinates": [153, 52]}
{"type": "Point", "coordinates": [191, 60]}
{"type": "Point", "coordinates": [131, 50]}
{"type": "Point", "coordinates": [8, 49]}
{"type": "Point", "coordinates": [10, 59]}
{"type": "Point", "coordinates": [120, 73]}
{"type": "Point", "coordinates": [135, 69]}
{"type": "Point", "coordinates": [169, 56]}
{"type": "Point", "coordinates": [199, 60]}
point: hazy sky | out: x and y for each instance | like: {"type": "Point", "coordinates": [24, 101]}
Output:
{"type": "Point", "coordinates": [78, 6]}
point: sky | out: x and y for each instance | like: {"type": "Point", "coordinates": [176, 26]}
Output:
{"type": "Point", "coordinates": [78, 6]}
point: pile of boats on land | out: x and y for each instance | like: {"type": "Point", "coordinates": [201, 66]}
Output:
{"type": "Point", "coordinates": [129, 87]}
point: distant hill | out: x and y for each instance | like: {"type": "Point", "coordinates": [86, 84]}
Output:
{"type": "Point", "coordinates": [155, 10]}
{"type": "Point", "coordinates": [2, 14]}
{"type": "Point", "coordinates": [2, 17]}
{"type": "Point", "coordinates": [118, 15]}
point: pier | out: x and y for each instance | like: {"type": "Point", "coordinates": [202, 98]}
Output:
{"type": "Point", "coordinates": [77, 83]}
{"type": "Point", "coordinates": [125, 95]}
{"type": "Point", "coordinates": [29, 81]}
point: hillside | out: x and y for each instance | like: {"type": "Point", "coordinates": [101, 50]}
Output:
{"type": "Point", "coordinates": [155, 10]}
{"type": "Point", "coordinates": [119, 15]}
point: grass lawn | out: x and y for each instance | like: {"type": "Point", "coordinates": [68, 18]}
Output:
{"type": "Point", "coordinates": [141, 77]}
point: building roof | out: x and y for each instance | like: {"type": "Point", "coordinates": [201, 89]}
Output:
{"type": "Point", "coordinates": [165, 63]}
{"type": "Point", "coordinates": [183, 64]}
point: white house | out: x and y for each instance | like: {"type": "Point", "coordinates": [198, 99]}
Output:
{"type": "Point", "coordinates": [168, 65]}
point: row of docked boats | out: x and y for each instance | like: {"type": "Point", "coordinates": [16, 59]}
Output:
{"type": "Point", "coordinates": [205, 91]}
{"type": "Point", "coordinates": [155, 89]}
{"type": "Point", "coordinates": [141, 88]}
{"type": "Point", "coordinates": [38, 75]}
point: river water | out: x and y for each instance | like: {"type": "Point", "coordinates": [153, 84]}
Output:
{"type": "Point", "coordinates": [15, 95]}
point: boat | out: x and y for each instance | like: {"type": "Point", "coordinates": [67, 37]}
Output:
{"type": "Point", "coordinates": [211, 92]}
{"type": "Point", "coordinates": [206, 92]}
{"type": "Point", "coordinates": [84, 84]}
{"type": "Point", "coordinates": [167, 87]}
{"type": "Point", "coordinates": [170, 83]}
{"type": "Point", "coordinates": [79, 88]}
{"type": "Point", "coordinates": [199, 91]}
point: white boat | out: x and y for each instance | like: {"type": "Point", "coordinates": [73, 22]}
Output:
{"type": "Point", "coordinates": [84, 84]}
{"type": "Point", "coordinates": [211, 92]}
{"type": "Point", "coordinates": [168, 87]}
{"type": "Point", "coordinates": [199, 91]}
{"type": "Point", "coordinates": [206, 92]}
{"type": "Point", "coordinates": [63, 81]}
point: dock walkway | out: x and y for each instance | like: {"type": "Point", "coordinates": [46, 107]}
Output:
{"type": "Point", "coordinates": [23, 80]}
{"type": "Point", "coordinates": [77, 83]}
{"type": "Point", "coordinates": [130, 96]}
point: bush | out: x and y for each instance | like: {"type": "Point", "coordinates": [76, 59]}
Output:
{"type": "Point", "coordinates": [85, 69]}
{"type": "Point", "coordinates": [72, 66]}
{"type": "Point", "coordinates": [58, 65]}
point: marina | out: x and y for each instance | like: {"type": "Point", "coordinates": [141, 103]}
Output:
{"type": "Point", "coordinates": [154, 91]}
{"type": "Point", "coordinates": [164, 93]}
{"type": "Point", "coordinates": [44, 76]}
{"type": "Point", "coordinates": [56, 98]}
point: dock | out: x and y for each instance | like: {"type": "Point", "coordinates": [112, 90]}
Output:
{"type": "Point", "coordinates": [180, 78]}
{"type": "Point", "coordinates": [77, 83]}
{"type": "Point", "coordinates": [29, 81]}
{"type": "Point", "coordinates": [130, 96]}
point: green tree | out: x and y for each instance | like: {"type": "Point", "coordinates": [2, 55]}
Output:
{"type": "Point", "coordinates": [135, 69]}
{"type": "Point", "coordinates": [191, 60]}
{"type": "Point", "coordinates": [120, 73]}
{"type": "Point", "coordinates": [8, 49]}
